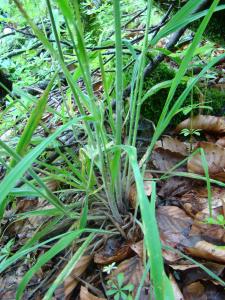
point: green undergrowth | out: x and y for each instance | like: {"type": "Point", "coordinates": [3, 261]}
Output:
{"type": "Point", "coordinates": [153, 106]}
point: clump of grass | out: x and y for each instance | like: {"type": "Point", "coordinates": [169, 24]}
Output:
{"type": "Point", "coordinates": [105, 152]}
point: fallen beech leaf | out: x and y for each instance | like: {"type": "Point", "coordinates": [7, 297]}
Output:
{"type": "Point", "coordinates": [164, 160]}
{"type": "Point", "coordinates": [215, 156]}
{"type": "Point", "coordinates": [147, 187]}
{"type": "Point", "coordinates": [206, 123]}
{"type": "Point", "coordinates": [71, 281]}
{"type": "Point", "coordinates": [174, 224]}
{"type": "Point", "coordinates": [114, 250]}
{"type": "Point", "coordinates": [85, 295]}
{"type": "Point", "coordinates": [133, 270]}
{"type": "Point", "coordinates": [175, 187]}
{"type": "Point", "coordinates": [183, 266]}
{"type": "Point", "coordinates": [171, 144]}
{"type": "Point", "coordinates": [196, 200]}
{"type": "Point", "coordinates": [208, 251]}
{"type": "Point", "coordinates": [176, 228]}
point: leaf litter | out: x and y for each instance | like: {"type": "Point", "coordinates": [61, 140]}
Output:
{"type": "Point", "coordinates": [182, 213]}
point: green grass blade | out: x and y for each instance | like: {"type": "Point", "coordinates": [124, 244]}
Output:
{"type": "Point", "coordinates": [44, 258]}
{"type": "Point", "coordinates": [150, 228]}
{"type": "Point", "coordinates": [33, 122]}
{"type": "Point", "coordinates": [68, 268]}
{"type": "Point", "coordinates": [182, 17]}
{"type": "Point", "coordinates": [17, 172]}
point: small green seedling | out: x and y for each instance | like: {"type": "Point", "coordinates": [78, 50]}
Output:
{"type": "Point", "coordinates": [118, 291]}
{"type": "Point", "coordinates": [190, 132]}
{"type": "Point", "coordinates": [219, 220]}
{"type": "Point", "coordinates": [188, 109]}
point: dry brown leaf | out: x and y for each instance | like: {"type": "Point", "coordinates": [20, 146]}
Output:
{"type": "Point", "coordinates": [175, 187]}
{"type": "Point", "coordinates": [147, 187]}
{"type": "Point", "coordinates": [215, 156]}
{"type": "Point", "coordinates": [172, 144]}
{"type": "Point", "coordinates": [206, 123]}
{"type": "Point", "coordinates": [196, 200]}
{"type": "Point", "coordinates": [138, 248]}
{"type": "Point", "coordinates": [71, 281]}
{"type": "Point", "coordinates": [174, 224]}
{"type": "Point", "coordinates": [85, 295]}
{"type": "Point", "coordinates": [176, 230]}
{"type": "Point", "coordinates": [133, 270]}
{"type": "Point", "coordinates": [114, 250]}
{"type": "Point", "coordinates": [183, 266]}
{"type": "Point", "coordinates": [163, 160]}
{"type": "Point", "coordinates": [208, 251]}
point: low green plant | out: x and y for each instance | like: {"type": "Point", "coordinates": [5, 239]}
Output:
{"type": "Point", "coordinates": [118, 290]}
{"type": "Point", "coordinates": [190, 132]}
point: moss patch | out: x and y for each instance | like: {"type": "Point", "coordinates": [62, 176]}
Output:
{"type": "Point", "coordinates": [153, 106]}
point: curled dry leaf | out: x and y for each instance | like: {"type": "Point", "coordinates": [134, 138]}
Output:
{"type": "Point", "coordinates": [71, 281]}
{"type": "Point", "coordinates": [147, 186]}
{"type": "Point", "coordinates": [175, 228]}
{"type": "Point", "coordinates": [133, 270]}
{"type": "Point", "coordinates": [215, 156]}
{"type": "Point", "coordinates": [85, 295]}
{"type": "Point", "coordinates": [114, 250]}
{"type": "Point", "coordinates": [172, 144]}
{"type": "Point", "coordinates": [207, 251]}
{"type": "Point", "coordinates": [206, 123]}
